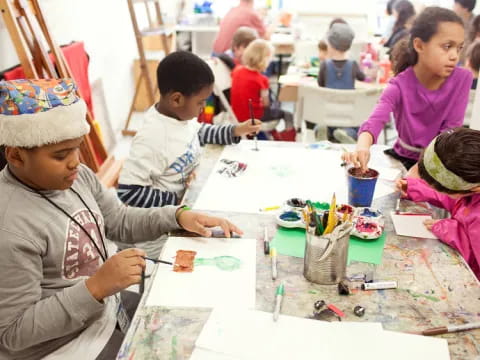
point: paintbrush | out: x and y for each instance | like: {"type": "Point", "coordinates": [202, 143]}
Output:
{"type": "Point", "coordinates": [448, 329]}
{"type": "Point", "coordinates": [250, 107]}
{"type": "Point", "coordinates": [157, 261]}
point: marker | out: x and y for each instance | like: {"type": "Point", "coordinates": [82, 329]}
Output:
{"type": "Point", "coordinates": [273, 255]}
{"type": "Point", "coordinates": [250, 107]}
{"type": "Point", "coordinates": [450, 329]}
{"type": "Point", "coordinates": [270, 208]}
{"type": "Point", "coordinates": [278, 301]}
{"type": "Point", "coordinates": [381, 285]}
{"type": "Point", "coordinates": [266, 243]}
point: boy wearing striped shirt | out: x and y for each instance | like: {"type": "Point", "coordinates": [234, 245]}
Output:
{"type": "Point", "coordinates": [166, 150]}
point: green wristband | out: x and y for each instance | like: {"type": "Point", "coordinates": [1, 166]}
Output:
{"type": "Point", "coordinates": [181, 209]}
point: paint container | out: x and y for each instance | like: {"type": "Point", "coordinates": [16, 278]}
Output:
{"type": "Point", "coordinates": [361, 187]}
{"type": "Point", "coordinates": [325, 259]}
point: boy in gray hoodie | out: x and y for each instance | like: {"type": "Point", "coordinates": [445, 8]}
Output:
{"type": "Point", "coordinates": [61, 276]}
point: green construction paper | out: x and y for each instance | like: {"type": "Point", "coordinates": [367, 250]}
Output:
{"type": "Point", "coordinates": [291, 242]}
{"type": "Point", "coordinates": [369, 251]}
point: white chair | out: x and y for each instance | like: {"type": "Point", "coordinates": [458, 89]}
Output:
{"type": "Point", "coordinates": [331, 107]}
{"type": "Point", "coordinates": [468, 113]}
{"type": "Point", "coordinates": [223, 81]}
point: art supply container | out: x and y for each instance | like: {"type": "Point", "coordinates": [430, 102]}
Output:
{"type": "Point", "coordinates": [325, 259]}
{"type": "Point", "coordinates": [361, 187]}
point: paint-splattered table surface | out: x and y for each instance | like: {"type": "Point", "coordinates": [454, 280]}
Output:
{"type": "Point", "coordinates": [435, 288]}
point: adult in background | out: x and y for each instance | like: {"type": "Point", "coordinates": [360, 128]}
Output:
{"type": "Point", "coordinates": [242, 15]}
{"type": "Point", "coordinates": [464, 9]}
{"type": "Point", "coordinates": [404, 12]}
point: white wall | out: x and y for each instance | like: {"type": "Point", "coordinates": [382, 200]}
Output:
{"type": "Point", "coordinates": [106, 29]}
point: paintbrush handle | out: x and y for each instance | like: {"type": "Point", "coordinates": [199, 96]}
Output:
{"type": "Point", "coordinates": [156, 261]}
{"type": "Point", "coordinates": [435, 331]}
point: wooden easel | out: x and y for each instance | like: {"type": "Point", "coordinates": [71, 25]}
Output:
{"type": "Point", "coordinates": [156, 27]}
{"type": "Point", "coordinates": [32, 41]}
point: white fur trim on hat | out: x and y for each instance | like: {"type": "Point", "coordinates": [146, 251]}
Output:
{"type": "Point", "coordinates": [43, 128]}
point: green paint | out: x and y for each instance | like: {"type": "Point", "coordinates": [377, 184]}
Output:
{"type": "Point", "coordinates": [313, 292]}
{"type": "Point", "coordinates": [321, 205]}
{"type": "Point", "coordinates": [418, 295]}
{"type": "Point", "coordinates": [173, 353]}
{"type": "Point", "coordinates": [291, 242]}
{"type": "Point", "coordinates": [225, 263]}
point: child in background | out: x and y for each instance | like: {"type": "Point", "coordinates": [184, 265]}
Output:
{"type": "Point", "coordinates": [450, 165]}
{"type": "Point", "coordinates": [61, 289]}
{"type": "Point", "coordinates": [472, 61]}
{"type": "Point", "coordinates": [428, 95]}
{"type": "Point", "coordinates": [337, 72]}
{"type": "Point", "coordinates": [403, 12]}
{"type": "Point", "coordinates": [248, 82]}
{"type": "Point", "coordinates": [166, 150]}
{"type": "Point", "coordinates": [322, 51]}
{"type": "Point", "coordinates": [241, 39]}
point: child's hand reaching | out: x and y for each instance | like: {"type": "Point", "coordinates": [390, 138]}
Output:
{"type": "Point", "coordinates": [359, 158]}
{"type": "Point", "coordinates": [429, 223]}
{"type": "Point", "coordinates": [199, 223]}
{"type": "Point", "coordinates": [401, 185]}
{"type": "Point", "coordinates": [247, 128]}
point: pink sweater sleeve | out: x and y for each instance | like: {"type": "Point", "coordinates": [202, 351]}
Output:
{"type": "Point", "coordinates": [460, 237]}
{"type": "Point", "coordinates": [381, 114]}
{"type": "Point", "coordinates": [419, 190]}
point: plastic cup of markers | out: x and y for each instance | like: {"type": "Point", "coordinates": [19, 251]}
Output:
{"type": "Point", "coordinates": [361, 186]}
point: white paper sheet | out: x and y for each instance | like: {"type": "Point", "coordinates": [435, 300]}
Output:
{"type": "Point", "coordinates": [207, 285]}
{"type": "Point", "coordinates": [253, 335]}
{"type": "Point", "coordinates": [243, 334]}
{"type": "Point", "coordinates": [412, 225]}
{"type": "Point", "coordinates": [274, 175]}
{"type": "Point", "coordinates": [400, 346]}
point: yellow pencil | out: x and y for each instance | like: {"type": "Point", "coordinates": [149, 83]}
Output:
{"type": "Point", "coordinates": [332, 216]}
{"type": "Point", "coordinates": [270, 208]}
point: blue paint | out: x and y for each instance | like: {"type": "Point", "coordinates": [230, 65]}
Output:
{"type": "Point", "coordinates": [290, 216]}
{"type": "Point", "coordinates": [369, 213]}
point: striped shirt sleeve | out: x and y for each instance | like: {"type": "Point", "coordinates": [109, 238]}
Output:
{"type": "Point", "coordinates": [217, 134]}
{"type": "Point", "coordinates": [145, 196]}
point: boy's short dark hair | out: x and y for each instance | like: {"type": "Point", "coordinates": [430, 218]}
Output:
{"type": "Point", "coordinates": [322, 45]}
{"type": "Point", "coordinates": [183, 72]}
{"type": "Point", "coordinates": [467, 4]}
{"type": "Point", "coordinates": [473, 55]}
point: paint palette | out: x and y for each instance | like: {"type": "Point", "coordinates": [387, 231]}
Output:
{"type": "Point", "coordinates": [291, 219]}
{"type": "Point", "coordinates": [368, 223]}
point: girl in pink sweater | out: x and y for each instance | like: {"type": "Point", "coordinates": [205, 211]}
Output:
{"type": "Point", "coordinates": [451, 166]}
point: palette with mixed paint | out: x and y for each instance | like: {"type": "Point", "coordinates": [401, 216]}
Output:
{"type": "Point", "coordinates": [368, 222]}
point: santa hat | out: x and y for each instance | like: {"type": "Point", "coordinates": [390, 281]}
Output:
{"type": "Point", "coordinates": [40, 112]}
